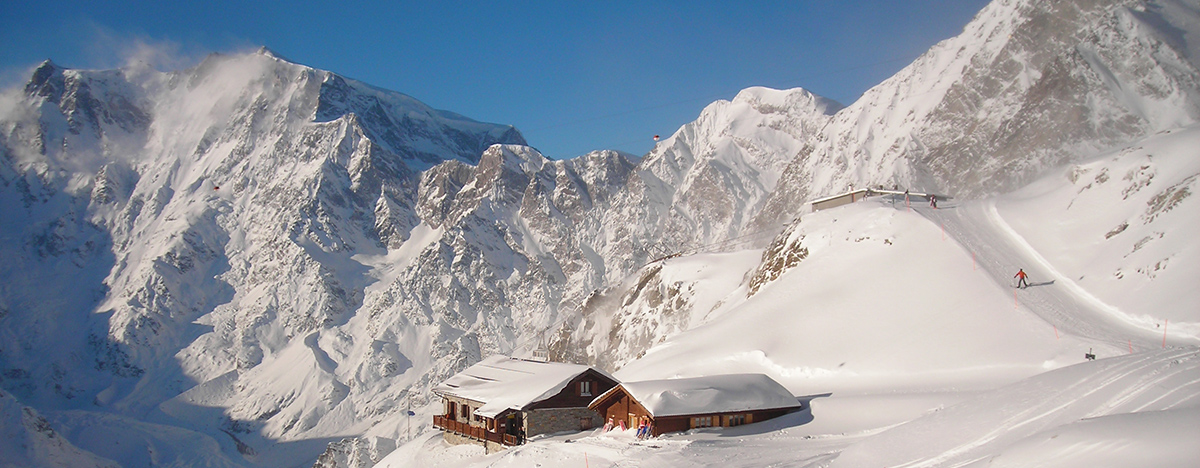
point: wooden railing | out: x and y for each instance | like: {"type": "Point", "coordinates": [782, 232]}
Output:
{"type": "Point", "coordinates": [474, 432]}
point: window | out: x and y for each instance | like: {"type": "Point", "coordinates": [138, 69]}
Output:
{"type": "Point", "coordinates": [585, 388]}
{"type": "Point", "coordinates": [736, 420]}
{"type": "Point", "coordinates": [466, 412]}
{"type": "Point", "coordinates": [706, 421]}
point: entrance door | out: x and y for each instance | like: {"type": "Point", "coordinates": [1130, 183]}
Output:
{"type": "Point", "coordinates": [633, 421]}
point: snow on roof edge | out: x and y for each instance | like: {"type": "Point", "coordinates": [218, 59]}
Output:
{"type": "Point", "coordinates": [501, 383]}
{"type": "Point", "coordinates": [707, 395]}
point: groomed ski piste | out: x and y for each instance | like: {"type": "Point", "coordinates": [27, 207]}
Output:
{"type": "Point", "coordinates": [902, 334]}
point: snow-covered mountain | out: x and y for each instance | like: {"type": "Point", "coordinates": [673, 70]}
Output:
{"type": "Point", "coordinates": [30, 440]}
{"type": "Point", "coordinates": [279, 262]}
{"type": "Point", "coordinates": [697, 191]}
{"type": "Point", "coordinates": [1026, 87]}
{"type": "Point", "coordinates": [164, 230]}
{"type": "Point", "coordinates": [703, 184]}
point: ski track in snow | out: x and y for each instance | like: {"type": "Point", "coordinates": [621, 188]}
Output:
{"type": "Point", "coordinates": [1000, 251]}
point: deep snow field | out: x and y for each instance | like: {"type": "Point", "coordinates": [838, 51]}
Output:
{"type": "Point", "coordinates": [903, 335]}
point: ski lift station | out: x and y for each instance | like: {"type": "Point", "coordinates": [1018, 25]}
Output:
{"type": "Point", "coordinates": [852, 196]}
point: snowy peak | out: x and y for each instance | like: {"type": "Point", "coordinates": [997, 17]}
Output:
{"type": "Point", "coordinates": [452, 190]}
{"type": "Point", "coordinates": [1027, 86]}
{"type": "Point", "coordinates": [95, 109]}
{"type": "Point", "coordinates": [408, 127]}
{"type": "Point", "coordinates": [267, 52]}
{"type": "Point", "coordinates": [757, 130]}
{"type": "Point", "coordinates": [46, 81]}
{"type": "Point", "coordinates": [207, 223]}
{"type": "Point", "coordinates": [260, 85]}
{"type": "Point", "coordinates": [704, 184]}
{"type": "Point", "coordinates": [774, 101]}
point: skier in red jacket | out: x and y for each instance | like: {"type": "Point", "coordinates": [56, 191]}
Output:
{"type": "Point", "coordinates": [1021, 275]}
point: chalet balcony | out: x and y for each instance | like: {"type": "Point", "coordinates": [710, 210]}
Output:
{"type": "Point", "coordinates": [475, 432]}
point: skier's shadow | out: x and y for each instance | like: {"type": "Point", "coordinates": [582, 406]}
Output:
{"type": "Point", "coordinates": [1043, 283]}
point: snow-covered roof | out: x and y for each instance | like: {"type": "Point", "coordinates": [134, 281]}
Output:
{"type": "Point", "coordinates": [840, 195]}
{"type": "Point", "coordinates": [711, 394]}
{"type": "Point", "coordinates": [501, 382]}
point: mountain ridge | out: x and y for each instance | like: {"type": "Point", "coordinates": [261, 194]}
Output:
{"type": "Point", "coordinates": [249, 219]}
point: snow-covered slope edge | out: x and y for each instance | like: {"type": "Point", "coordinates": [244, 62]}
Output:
{"type": "Point", "coordinates": [1122, 230]}
{"type": "Point", "coordinates": [27, 439]}
{"type": "Point", "coordinates": [878, 298]}
{"type": "Point", "coordinates": [1127, 410]}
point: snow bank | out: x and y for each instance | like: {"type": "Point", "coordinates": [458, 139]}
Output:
{"type": "Point", "coordinates": [1102, 413]}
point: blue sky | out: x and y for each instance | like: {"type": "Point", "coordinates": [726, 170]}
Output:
{"type": "Point", "coordinates": [572, 76]}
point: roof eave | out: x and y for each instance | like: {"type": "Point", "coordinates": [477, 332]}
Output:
{"type": "Point", "coordinates": [795, 407]}
{"type": "Point", "coordinates": [596, 401]}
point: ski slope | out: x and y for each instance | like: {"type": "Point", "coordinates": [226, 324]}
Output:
{"type": "Point", "coordinates": [1000, 252]}
{"type": "Point", "coordinates": [1108, 243]}
{"type": "Point", "coordinates": [1110, 412]}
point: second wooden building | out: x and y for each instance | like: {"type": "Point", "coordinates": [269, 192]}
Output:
{"type": "Point", "coordinates": [674, 405]}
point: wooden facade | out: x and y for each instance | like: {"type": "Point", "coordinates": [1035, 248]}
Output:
{"type": "Point", "coordinates": [619, 406]}
{"type": "Point", "coordinates": [579, 392]}
{"type": "Point", "coordinates": [566, 410]}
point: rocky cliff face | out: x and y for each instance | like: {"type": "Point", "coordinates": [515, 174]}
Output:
{"type": "Point", "coordinates": [204, 227]}
{"type": "Point", "coordinates": [703, 184]}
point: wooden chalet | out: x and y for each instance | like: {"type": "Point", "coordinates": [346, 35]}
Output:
{"type": "Point", "coordinates": [675, 405]}
{"type": "Point", "coordinates": [501, 400]}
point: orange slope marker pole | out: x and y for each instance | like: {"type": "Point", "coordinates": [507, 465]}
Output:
{"type": "Point", "coordinates": [1165, 322]}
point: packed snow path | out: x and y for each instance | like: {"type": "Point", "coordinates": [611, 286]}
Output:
{"type": "Point", "coordinates": [1000, 251]}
